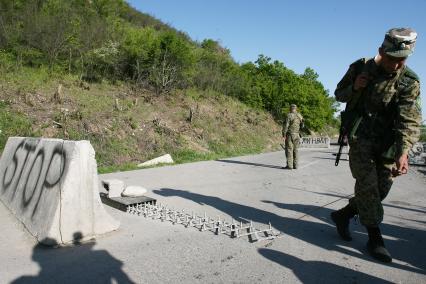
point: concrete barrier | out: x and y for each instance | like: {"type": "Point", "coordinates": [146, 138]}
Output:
{"type": "Point", "coordinates": [315, 142]}
{"type": "Point", "coordinates": [165, 159]}
{"type": "Point", "coordinates": [51, 186]}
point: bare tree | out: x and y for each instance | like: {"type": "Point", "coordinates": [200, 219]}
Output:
{"type": "Point", "coordinates": [164, 74]}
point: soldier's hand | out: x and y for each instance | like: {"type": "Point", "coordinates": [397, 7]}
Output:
{"type": "Point", "coordinates": [361, 81]}
{"type": "Point", "coordinates": [401, 166]}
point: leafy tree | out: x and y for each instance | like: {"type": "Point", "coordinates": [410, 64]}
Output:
{"type": "Point", "coordinates": [172, 59]}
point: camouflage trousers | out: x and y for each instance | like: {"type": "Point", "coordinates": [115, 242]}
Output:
{"type": "Point", "coordinates": [373, 181]}
{"type": "Point", "coordinates": [291, 145]}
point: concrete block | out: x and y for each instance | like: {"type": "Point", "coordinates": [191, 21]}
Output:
{"type": "Point", "coordinates": [165, 159]}
{"type": "Point", "coordinates": [51, 186]}
{"type": "Point", "coordinates": [134, 191]}
{"type": "Point", "coordinates": [114, 187]}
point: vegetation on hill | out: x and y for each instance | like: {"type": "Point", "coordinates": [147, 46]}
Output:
{"type": "Point", "coordinates": [120, 70]}
{"type": "Point", "coordinates": [127, 126]}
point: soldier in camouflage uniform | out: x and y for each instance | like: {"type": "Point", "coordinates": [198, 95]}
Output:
{"type": "Point", "coordinates": [291, 129]}
{"type": "Point", "coordinates": [384, 95]}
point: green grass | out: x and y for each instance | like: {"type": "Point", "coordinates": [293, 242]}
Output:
{"type": "Point", "coordinates": [13, 124]}
{"type": "Point", "coordinates": [27, 79]}
{"type": "Point", "coordinates": [186, 156]}
{"type": "Point", "coordinates": [117, 168]}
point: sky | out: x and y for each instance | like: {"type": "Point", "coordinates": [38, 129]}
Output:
{"type": "Point", "coordinates": [325, 35]}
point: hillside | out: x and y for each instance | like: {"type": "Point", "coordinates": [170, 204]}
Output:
{"type": "Point", "coordinates": [127, 126]}
{"type": "Point", "coordinates": [137, 88]}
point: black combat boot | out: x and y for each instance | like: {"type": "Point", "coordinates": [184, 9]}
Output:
{"type": "Point", "coordinates": [376, 245]}
{"type": "Point", "coordinates": [341, 218]}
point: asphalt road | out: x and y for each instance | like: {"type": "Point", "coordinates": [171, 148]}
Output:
{"type": "Point", "coordinates": [297, 203]}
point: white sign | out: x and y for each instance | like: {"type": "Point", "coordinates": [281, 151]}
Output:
{"type": "Point", "coordinates": [315, 142]}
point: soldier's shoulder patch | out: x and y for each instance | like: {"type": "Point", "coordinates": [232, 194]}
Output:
{"type": "Point", "coordinates": [408, 80]}
{"type": "Point", "coordinates": [411, 74]}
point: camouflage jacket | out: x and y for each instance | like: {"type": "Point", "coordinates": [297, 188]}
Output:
{"type": "Point", "coordinates": [389, 105]}
{"type": "Point", "coordinates": [292, 123]}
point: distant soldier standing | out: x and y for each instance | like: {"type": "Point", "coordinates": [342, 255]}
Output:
{"type": "Point", "coordinates": [291, 129]}
{"type": "Point", "coordinates": [383, 116]}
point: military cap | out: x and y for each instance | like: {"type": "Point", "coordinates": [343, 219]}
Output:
{"type": "Point", "coordinates": [399, 42]}
{"type": "Point", "coordinates": [293, 105]}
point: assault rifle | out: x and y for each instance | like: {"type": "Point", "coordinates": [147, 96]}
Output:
{"type": "Point", "coordinates": [343, 138]}
{"type": "Point", "coordinates": [343, 141]}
